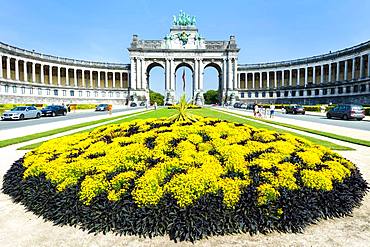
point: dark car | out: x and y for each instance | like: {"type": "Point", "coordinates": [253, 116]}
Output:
{"type": "Point", "coordinates": [54, 110]}
{"type": "Point", "coordinates": [102, 107]}
{"type": "Point", "coordinates": [142, 103]}
{"type": "Point", "coordinates": [295, 109]}
{"type": "Point", "coordinates": [133, 104]}
{"type": "Point", "coordinates": [347, 111]}
{"type": "Point", "coordinates": [237, 105]}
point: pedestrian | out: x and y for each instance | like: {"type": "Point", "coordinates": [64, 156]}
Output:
{"type": "Point", "coordinates": [255, 109]}
{"type": "Point", "coordinates": [272, 110]}
{"type": "Point", "coordinates": [110, 107]}
{"type": "Point", "coordinates": [155, 105]}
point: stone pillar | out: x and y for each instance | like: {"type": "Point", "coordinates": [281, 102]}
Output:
{"type": "Point", "coordinates": [368, 65]}
{"type": "Point", "coordinates": [121, 79]}
{"type": "Point", "coordinates": [338, 71]}
{"type": "Point", "coordinates": [67, 77]}
{"type": "Point", "coordinates": [58, 72]}
{"type": "Point", "coordinates": [50, 74]}
{"type": "Point", "coordinates": [282, 78]}
{"type": "Point", "coordinates": [353, 68]}
{"type": "Point", "coordinates": [260, 80]}
{"type": "Point", "coordinates": [91, 79]}
{"type": "Point", "coordinates": [16, 70]}
{"type": "Point", "coordinates": [305, 76]}
{"type": "Point", "coordinates": [42, 74]}
{"type": "Point", "coordinates": [172, 81]}
{"type": "Point", "coordinates": [253, 81]}
{"type": "Point", "coordinates": [114, 80]}
{"type": "Point", "coordinates": [298, 76]}
{"type": "Point", "coordinates": [329, 78]}
{"type": "Point", "coordinates": [275, 79]}
{"type": "Point", "coordinates": [106, 79]}
{"type": "Point", "coordinates": [229, 74]}
{"type": "Point", "coordinates": [1, 66]}
{"type": "Point", "coordinates": [143, 74]}
{"type": "Point", "coordinates": [235, 74]}
{"type": "Point", "coordinates": [83, 77]}
{"type": "Point", "coordinates": [167, 74]}
{"type": "Point", "coordinates": [290, 77]}
{"type": "Point", "coordinates": [196, 74]}
{"type": "Point", "coordinates": [75, 77]}
{"type": "Point", "coordinates": [346, 70]}
{"type": "Point", "coordinates": [314, 74]}
{"type": "Point", "coordinates": [268, 79]}
{"type": "Point", "coordinates": [138, 74]}
{"type": "Point", "coordinates": [201, 68]}
{"type": "Point", "coordinates": [8, 68]}
{"type": "Point", "coordinates": [33, 72]}
{"type": "Point", "coordinates": [99, 85]}
{"type": "Point", "coordinates": [133, 75]}
{"type": "Point", "coordinates": [361, 67]}
{"type": "Point", "coordinates": [224, 77]}
{"type": "Point", "coordinates": [322, 74]}
{"type": "Point", "coordinates": [24, 69]}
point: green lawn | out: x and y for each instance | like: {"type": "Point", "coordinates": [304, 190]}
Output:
{"type": "Point", "coordinates": [21, 139]}
{"type": "Point", "coordinates": [206, 112]}
{"type": "Point", "coordinates": [317, 132]}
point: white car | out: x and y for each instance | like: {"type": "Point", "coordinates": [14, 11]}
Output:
{"type": "Point", "coordinates": [21, 112]}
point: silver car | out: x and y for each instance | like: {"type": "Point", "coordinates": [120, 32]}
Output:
{"type": "Point", "coordinates": [21, 112]}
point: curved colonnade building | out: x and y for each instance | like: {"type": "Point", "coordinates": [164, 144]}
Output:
{"type": "Point", "coordinates": [30, 77]}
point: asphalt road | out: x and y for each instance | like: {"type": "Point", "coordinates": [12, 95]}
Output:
{"type": "Point", "coordinates": [4, 125]}
{"type": "Point", "coordinates": [354, 124]}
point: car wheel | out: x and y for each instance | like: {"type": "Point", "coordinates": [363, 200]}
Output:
{"type": "Point", "coordinates": [303, 113]}
{"type": "Point", "coordinates": [345, 117]}
{"type": "Point", "coordinates": [359, 119]}
{"type": "Point", "coordinates": [53, 114]}
{"type": "Point", "coordinates": [328, 115]}
{"type": "Point", "coordinates": [21, 117]}
{"type": "Point", "coordinates": [64, 113]}
{"type": "Point", "coordinates": [38, 115]}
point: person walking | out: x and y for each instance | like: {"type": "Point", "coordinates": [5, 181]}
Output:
{"type": "Point", "coordinates": [272, 110]}
{"type": "Point", "coordinates": [155, 105]}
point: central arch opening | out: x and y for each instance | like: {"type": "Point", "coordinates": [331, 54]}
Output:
{"type": "Point", "coordinates": [184, 81]}
{"type": "Point", "coordinates": [156, 80]}
{"type": "Point", "coordinates": [212, 84]}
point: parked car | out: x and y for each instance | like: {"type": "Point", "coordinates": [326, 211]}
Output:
{"type": "Point", "coordinates": [237, 105]}
{"type": "Point", "coordinates": [133, 104]}
{"type": "Point", "coordinates": [142, 103]}
{"type": "Point", "coordinates": [102, 107]}
{"type": "Point", "coordinates": [295, 109]}
{"type": "Point", "coordinates": [244, 106]}
{"type": "Point", "coordinates": [347, 111]}
{"type": "Point", "coordinates": [54, 110]}
{"type": "Point", "coordinates": [21, 112]}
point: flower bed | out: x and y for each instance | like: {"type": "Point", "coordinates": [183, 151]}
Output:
{"type": "Point", "coordinates": [188, 180]}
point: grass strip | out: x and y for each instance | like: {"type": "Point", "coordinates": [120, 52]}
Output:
{"type": "Point", "coordinates": [206, 112]}
{"type": "Point", "coordinates": [317, 132]}
{"type": "Point", "coordinates": [21, 139]}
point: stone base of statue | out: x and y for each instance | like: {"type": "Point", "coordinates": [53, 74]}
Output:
{"type": "Point", "coordinates": [170, 97]}
{"type": "Point", "coordinates": [199, 99]}
{"type": "Point", "coordinates": [231, 98]}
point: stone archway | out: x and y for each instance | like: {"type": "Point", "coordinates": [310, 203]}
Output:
{"type": "Point", "coordinates": [221, 87]}
{"type": "Point", "coordinates": [149, 84]}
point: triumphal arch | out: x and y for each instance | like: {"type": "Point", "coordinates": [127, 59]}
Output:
{"type": "Point", "coordinates": [184, 46]}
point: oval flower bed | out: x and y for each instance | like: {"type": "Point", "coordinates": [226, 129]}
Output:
{"type": "Point", "coordinates": [188, 180]}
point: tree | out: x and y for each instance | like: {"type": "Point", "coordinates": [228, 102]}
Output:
{"type": "Point", "coordinates": [156, 97]}
{"type": "Point", "coordinates": [211, 97]}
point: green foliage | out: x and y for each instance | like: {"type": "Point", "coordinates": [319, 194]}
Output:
{"type": "Point", "coordinates": [156, 97]}
{"type": "Point", "coordinates": [211, 97]}
{"type": "Point", "coordinates": [183, 114]}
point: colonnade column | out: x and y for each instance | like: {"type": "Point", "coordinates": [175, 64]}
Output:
{"type": "Point", "coordinates": [314, 75]}
{"type": "Point", "coordinates": [8, 68]}
{"type": "Point", "coordinates": [99, 85]}
{"type": "Point", "coordinates": [58, 72]}
{"type": "Point", "coordinates": [50, 75]}
{"type": "Point", "coordinates": [290, 77]}
{"type": "Point", "coordinates": [42, 76]}
{"type": "Point", "coordinates": [275, 79]}
{"type": "Point", "coordinates": [322, 74]}
{"type": "Point", "coordinates": [33, 72]}
{"type": "Point", "coordinates": [361, 67]}
{"type": "Point", "coordinates": [16, 70]}
{"type": "Point", "coordinates": [260, 80]}
{"type": "Point", "coordinates": [346, 70]}
{"type": "Point", "coordinates": [91, 78]}
{"type": "Point", "coordinates": [67, 77]}
{"type": "Point", "coordinates": [282, 78]}
{"type": "Point", "coordinates": [25, 73]}
{"type": "Point", "coordinates": [368, 65]}
{"type": "Point", "coordinates": [338, 71]}
{"type": "Point", "coordinates": [1, 66]}
{"type": "Point", "coordinates": [75, 77]}
{"type": "Point", "coordinates": [329, 78]}
{"type": "Point", "coordinates": [253, 81]}
{"type": "Point", "coordinates": [106, 79]}
{"type": "Point", "coordinates": [121, 79]}
{"type": "Point", "coordinates": [133, 74]}
{"type": "Point", "coordinates": [268, 79]}
{"type": "Point", "coordinates": [114, 80]}
{"type": "Point", "coordinates": [353, 68]}
{"type": "Point", "coordinates": [83, 77]}
{"type": "Point", "coordinates": [298, 76]}
{"type": "Point", "coordinates": [305, 76]}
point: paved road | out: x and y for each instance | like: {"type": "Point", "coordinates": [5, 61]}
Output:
{"type": "Point", "coordinates": [360, 125]}
{"type": "Point", "coordinates": [71, 115]}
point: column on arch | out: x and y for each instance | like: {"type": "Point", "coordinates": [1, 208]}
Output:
{"type": "Point", "coordinates": [144, 78]}
{"type": "Point", "coordinates": [196, 75]}
{"type": "Point", "coordinates": [224, 74]}
{"type": "Point", "coordinates": [138, 73]}
{"type": "Point", "coordinates": [168, 74]}
{"type": "Point", "coordinates": [172, 77]}
{"type": "Point", "coordinates": [133, 74]}
{"type": "Point", "coordinates": [1, 66]}
{"type": "Point", "coordinates": [201, 75]}
{"type": "Point", "coordinates": [229, 74]}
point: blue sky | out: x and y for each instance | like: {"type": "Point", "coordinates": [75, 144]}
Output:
{"type": "Point", "coordinates": [265, 30]}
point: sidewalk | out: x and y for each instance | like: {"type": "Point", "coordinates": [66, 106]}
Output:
{"type": "Point", "coordinates": [28, 130]}
{"type": "Point", "coordinates": [344, 131]}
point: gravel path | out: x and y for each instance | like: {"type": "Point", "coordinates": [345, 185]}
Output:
{"type": "Point", "coordinates": [21, 228]}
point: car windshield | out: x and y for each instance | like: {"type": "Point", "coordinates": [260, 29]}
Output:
{"type": "Point", "coordinates": [357, 107]}
{"type": "Point", "coordinates": [101, 105]}
{"type": "Point", "coordinates": [299, 106]}
{"type": "Point", "coordinates": [49, 107]}
{"type": "Point", "coordinates": [19, 108]}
